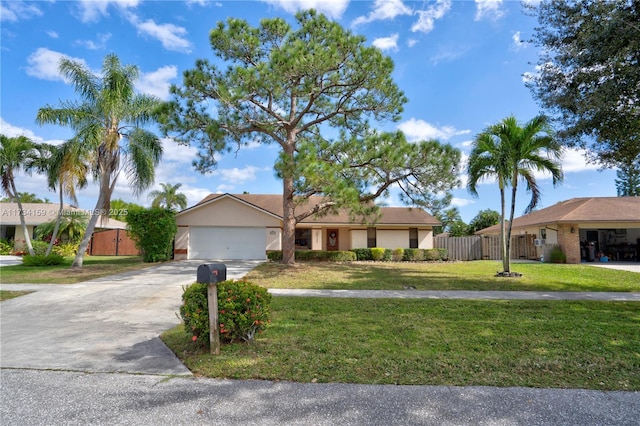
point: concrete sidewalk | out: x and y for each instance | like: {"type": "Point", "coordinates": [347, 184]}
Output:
{"type": "Point", "coordinates": [460, 294]}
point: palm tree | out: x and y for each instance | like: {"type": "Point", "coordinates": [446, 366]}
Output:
{"type": "Point", "coordinates": [507, 153]}
{"type": "Point", "coordinates": [108, 124]}
{"type": "Point", "coordinates": [14, 155]}
{"type": "Point", "coordinates": [169, 197]}
{"type": "Point", "coordinates": [67, 167]}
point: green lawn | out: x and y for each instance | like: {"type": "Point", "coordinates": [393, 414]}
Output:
{"type": "Point", "coordinates": [93, 267]}
{"type": "Point", "coordinates": [557, 344]}
{"type": "Point", "coordinates": [477, 275]}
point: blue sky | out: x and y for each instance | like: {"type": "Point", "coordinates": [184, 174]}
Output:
{"type": "Point", "coordinates": [461, 64]}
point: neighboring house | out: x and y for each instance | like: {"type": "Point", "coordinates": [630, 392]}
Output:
{"type": "Point", "coordinates": [246, 226]}
{"type": "Point", "coordinates": [586, 229]}
{"type": "Point", "coordinates": [36, 214]}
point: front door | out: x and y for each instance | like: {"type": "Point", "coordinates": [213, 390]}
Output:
{"type": "Point", "coordinates": [332, 239]}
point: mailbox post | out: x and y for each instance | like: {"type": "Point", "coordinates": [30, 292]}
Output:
{"type": "Point", "coordinates": [211, 274]}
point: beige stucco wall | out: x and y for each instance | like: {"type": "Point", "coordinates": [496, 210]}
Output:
{"type": "Point", "coordinates": [358, 238]}
{"type": "Point", "coordinates": [392, 239]}
{"type": "Point", "coordinates": [181, 244]}
{"type": "Point", "coordinates": [425, 239]}
{"type": "Point", "coordinates": [228, 212]}
{"type": "Point", "coordinates": [18, 242]}
{"type": "Point", "coordinates": [274, 238]}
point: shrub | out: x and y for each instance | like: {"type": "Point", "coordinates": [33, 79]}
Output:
{"type": "Point", "coordinates": [444, 253]}
{"type": "Point", "coordinates": [377, 253]}
{"type": "Point", "coordinates": [42, 260]}
{"type": "Point", "coordinates": [5, 247]}
{"type": "Point", "coordinates": [397, 255]}
{"type": "Point", "coordinates": [243, 310]}
{"type": "Point", "coordinates": [39, 247]}
{"type": "Point", "coordinates": [66, 249]}
{"type": "Point", "coordinates": [153, 231]}
{"type": "Point", "coordinates": [362, 253]}
{"type": "Point", "coordinates": [432, 255]}
{"type": "Point", "coordinates": [328, 256]}
{"type": "Point", "coordinates": [557, 255]}
{"type": "Point", "coordinates": [413, 254]}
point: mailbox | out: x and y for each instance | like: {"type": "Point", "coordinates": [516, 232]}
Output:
{"type": "Point", "coordinates": [212, 273]}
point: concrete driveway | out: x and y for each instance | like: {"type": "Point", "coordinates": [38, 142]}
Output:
{"type": "Point", "coordinates": [109, 324]}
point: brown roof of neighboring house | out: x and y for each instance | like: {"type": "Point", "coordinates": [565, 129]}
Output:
{"type": "Point", "coordinates": [577, 210]}
{"type": "Point", "coordinates": [38, 213]}
{"type": "Point", "coordinates": [272, 204]}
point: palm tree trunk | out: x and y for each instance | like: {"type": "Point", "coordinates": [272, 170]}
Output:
{"type": "Point", "coordinates": [93, 220]}
{"type": "Point", "coordinates": [511, 214]}
{"type": "Point", "coordinates": [23, 223]}
{"type": "Point", "coordinates": [503, 234]}
{"type": "Point", "coordinates": [58, 220]}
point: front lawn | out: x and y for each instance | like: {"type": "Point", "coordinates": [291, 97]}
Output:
{"type": "Point", "coordinates": [476, 275]}
{"type": "Point", "coordinates": [93, 267]}
{"type": "Point", "coordinates": [557, 344]}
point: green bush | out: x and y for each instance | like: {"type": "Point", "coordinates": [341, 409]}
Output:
{"type": "Point", "coordinates": [42, 260]}
{"type": "Point", "coordinates": [377, 253]}
{"type": "Point", "coordinates": [39, 247]}
{"type": "Point", "coordinates": [6, 247]}
{"type": "Point", "coordinates": [362, 253]}
{"type": "Point", "coordinates": [557, 255]}
{"type": "Point", "coordinates": [413, 255]}
{"type": "Point", "coordinates": [152, 230]}
{"type": "Point", "coordinates": [243, 310]}
{"type": "Point", "coordinates": [66, 249]}
{"type": "Point", "coordinates": [327, 256]}
{"type": "Point", "coordinates": [386, 256]}
{"type": "Point", "coordinates": [444, 253]}
{"type": "Point", "coordinates": [432, 255]}
{"type": "Point", "coordinates": [397, 255]}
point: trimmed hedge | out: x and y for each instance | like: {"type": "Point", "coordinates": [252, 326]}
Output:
{"type": "Point", "coordinates": [315, 255]}
{"type": "Point", "coordinates": [366, 254]}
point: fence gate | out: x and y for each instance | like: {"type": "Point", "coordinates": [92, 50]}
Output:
{"type": "Point", "coordinates": [113, 242]}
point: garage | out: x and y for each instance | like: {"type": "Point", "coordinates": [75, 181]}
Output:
{"type": "Point", "coordinates": [226, 243]}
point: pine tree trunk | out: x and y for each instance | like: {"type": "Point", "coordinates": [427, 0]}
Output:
{"type": "Point", "coordinates": [289, 223]}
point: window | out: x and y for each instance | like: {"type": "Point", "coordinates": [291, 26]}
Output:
{"type": "Point", "coordinates": [371, 237]}
{"type": "Point", "coordinates": [303, 238]}
{"type": "Point", "coordinates": [413, 237]}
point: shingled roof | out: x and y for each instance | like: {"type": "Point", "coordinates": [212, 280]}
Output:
{"type": "Point", "coordinates": [579, 210]}
{"type": "Point", "coordinates": [272, 203]}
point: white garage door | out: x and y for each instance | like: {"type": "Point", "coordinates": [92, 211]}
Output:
{"type": "Point", "coordinates": [227, 243]}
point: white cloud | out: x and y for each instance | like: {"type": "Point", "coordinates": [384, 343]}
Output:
{"type": "Point", "coordinates": [384, 9]}
{"type": "Point", "coordinates": [157, 83]}
{"type": "Point", "coordinates": [412, 42]}
{"type": "Point", "coordinates": [14, 11]}
{"type": "Point", "coordinates": [461, 202]}
{"type": "Point", "coordinates": [52, 34]}
{"type": "Point", "coordinates": [416, 130]}
{"type": "Point", "coordinates": [427, 17]}
{"type": "Point", "coordinates": [574, 160]}
{"type": "Point", "coordinates": [448, 53]}
{"type": "Point", "coordinates": [331, 8]}
{"type": "Point", "coordinates": [43, 64]}
{"type": "Point", "coordinates": [171, 36]}
{"type": "Point", "coordinates": [238, 176]}
{"type": "Point", "coordinates": [177, 153]}
{"type": "Point", "coordinates": [12, 131]}
{"type": "Point", "coordinates": [99, 44]}
{"type": "Point", "coordinates": [92, 10]}
{"type": "Point", "coordinates": [386, 43]}
{"type": "Point", "coordinates": [490, 9]}
{"type": "Point", "coordinates": [518, 44]}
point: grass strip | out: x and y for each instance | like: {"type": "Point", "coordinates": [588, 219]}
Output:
{"type": "Point", "coordinates": [93, 267]}
{"type": "Point", "coordinates": [476, 275]}
{"type": "Point", "coordinates": [550, 344]}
